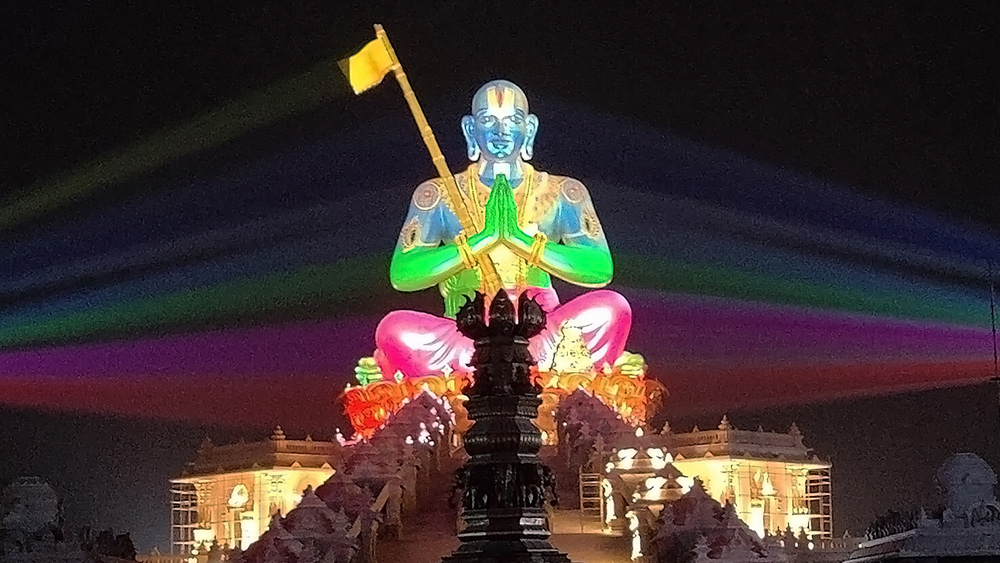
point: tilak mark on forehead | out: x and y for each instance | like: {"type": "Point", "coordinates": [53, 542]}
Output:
{"type": "Point", "coordinates": [504, 97]}
{"type": "Point", "coordinates": [497, 97]}
{"type": "Point", "coordinates": [501, 97]}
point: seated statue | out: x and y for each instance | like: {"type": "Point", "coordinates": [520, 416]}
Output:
{"type": "Point", "coordinates": [532, 225]}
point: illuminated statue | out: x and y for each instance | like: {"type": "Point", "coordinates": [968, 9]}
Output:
{"type": "Point", "coordinates": [530, 224]}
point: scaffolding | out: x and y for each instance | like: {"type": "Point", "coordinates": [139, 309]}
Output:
{"type": "Point", "coordinates": [183, 518]}
{"type": "Point", "coordinates": [590, 495]}
{"type": "Point", "coordinates": [820, 500]}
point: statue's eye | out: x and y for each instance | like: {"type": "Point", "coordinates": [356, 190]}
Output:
{"type": "Point", "coordinates": [487, 120]}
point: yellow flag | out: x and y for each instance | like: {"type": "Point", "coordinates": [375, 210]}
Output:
{"type": "Point", "coordinates": [368, 67]}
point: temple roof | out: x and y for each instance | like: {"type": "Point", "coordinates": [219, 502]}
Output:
{"type": "Point", "coordinates": [729, 441]}
{"type": "Point", "coordinates": [967, 527]}
{"type": "Point", "coordinates": [696, 512]}
{"type": "Point", "coordinates": [309, 527]}
{"type": "Point", "coordinates": [965, 469]}
{"type": "Point", "coordinates": [312, 517]}
{"type": "Point", "coordinates": [276, 452]}
{"type": "Point", "coordinates": [28, 504]}
{"type": "Point", "coordinates": [423, 420]}
{"type": "Point", "coordinates": [341, 493]}
{"type": "Point", "coordinates": [584, 413]}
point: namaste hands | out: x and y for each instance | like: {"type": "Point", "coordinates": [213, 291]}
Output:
{"type": "Point", "coordinates": [500, 225]}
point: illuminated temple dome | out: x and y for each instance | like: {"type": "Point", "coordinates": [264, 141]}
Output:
{"type": "Point", "coordinates": [966, 480]}
{"type": "Point", "coordinates": [967, 528]}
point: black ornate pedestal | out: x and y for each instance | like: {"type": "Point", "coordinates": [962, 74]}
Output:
{"type": "Point", "coordinates": [504, 484]}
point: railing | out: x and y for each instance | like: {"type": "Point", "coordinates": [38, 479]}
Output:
{"type": "Point", "coordinates": [707, 437]}
{"type": "Point", "coordinates": [383, 498]}
{"type": "Point", "coordinates": [161, 558]}
{"type": "Point", "coordinates": [837, 544]}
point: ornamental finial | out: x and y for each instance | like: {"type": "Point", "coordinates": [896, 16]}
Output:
{"type": "Point", "coordinates": [504, 320]}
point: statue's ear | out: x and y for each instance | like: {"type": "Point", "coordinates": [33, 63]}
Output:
{"type": "Point", "coordinates": [469, 130]}
{"type": "Point", "coordinates": [528, 149]}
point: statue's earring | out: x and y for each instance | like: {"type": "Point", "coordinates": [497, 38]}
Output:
{"type": "Point", "coordinates": [471, 147]}
{"type": "Point", "coordinates": [526, 151]}
{"type": "Point", "coordinates": [528, 148]}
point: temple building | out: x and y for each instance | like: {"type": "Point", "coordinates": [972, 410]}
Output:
{"type": "Point", "coordinates": [617, 479]}
{"type": "Point", "coordinates": [32, 530]}
{"type": "Point", "coordinates": [965, 529]}
{"type": "Point", "coordinates": [743, 492]}
{"type": "Point", "coordinates": [229, 493]}
{"type": "Point", "coordinates": [774, 480]}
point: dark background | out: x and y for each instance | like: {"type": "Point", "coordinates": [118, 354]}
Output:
{"type": "Point", "coordinates": [898, 99]}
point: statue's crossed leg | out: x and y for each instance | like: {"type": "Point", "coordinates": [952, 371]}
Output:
{"type": "Point", "coordinates": [420, 344]}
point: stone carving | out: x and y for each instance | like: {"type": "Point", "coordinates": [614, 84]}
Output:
{"type": "Point", "coordinates": [276, 484]}
{"type": "Point", "coordinates": [966, 481]}
{"type": "Point", "coordinates": [965, 527]}
{"type": "Point", "coordinates": [108, 544]}
{"type": "Point", "coordinates": [696, 521]}
{"type": "Point", "coordinates": [312, 532]}
{"type": "Point", "coordinates": [32, 529]}
{"type": "Point", "coordinates": [890, 523]}
{"type": "Point", "coordinates": [582, 418]}
{"type": "Point", "coordinates": [30, 519]}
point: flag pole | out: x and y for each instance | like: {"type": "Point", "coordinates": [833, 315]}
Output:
{"type": "Point", "coordinates": [491, 279]}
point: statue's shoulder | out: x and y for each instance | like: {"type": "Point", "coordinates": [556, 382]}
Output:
{"type": "Point", "coordinates": [569, 189]}
{"type": "Point", "coordinates": [428, 194]}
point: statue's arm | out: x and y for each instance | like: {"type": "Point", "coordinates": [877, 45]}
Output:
{"type": "Point", "coordinates": [426, 253]}
{"type": "Point", "coordinates": [420, 260]}
{"type": "Point", "coordinates": [580, 255]}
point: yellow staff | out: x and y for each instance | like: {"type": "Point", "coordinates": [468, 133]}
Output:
{"type": "Point", "coordinates": [366, 69]}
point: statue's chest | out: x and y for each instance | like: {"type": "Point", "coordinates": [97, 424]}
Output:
{"type": "Point", "coordinates": [535, 198]}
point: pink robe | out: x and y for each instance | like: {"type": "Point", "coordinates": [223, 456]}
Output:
{"type": "Point", "coordinates": [419, 344]}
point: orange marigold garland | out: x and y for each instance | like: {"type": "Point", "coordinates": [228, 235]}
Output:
{"type": "Point", "coordinates": [634, 397]}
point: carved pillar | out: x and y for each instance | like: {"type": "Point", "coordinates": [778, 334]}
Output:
{"type": "Point", "coordinates": [503, 484]}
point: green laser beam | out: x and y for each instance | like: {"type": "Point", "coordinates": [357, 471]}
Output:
{"type": "Point", "coordinates": [319, 84]}
{"type": "Point", "coordinates": [340, 287]}
{"type": "Point", "coordinates": [641, 271]}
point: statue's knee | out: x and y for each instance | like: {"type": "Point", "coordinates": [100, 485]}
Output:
{"type": "Point", "coordinates": [388, 329]}
{"type": "Point", "coordinates": [616, 302]}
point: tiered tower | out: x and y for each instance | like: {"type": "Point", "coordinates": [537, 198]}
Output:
{"type": "Point", "coordinates": [504, 484]}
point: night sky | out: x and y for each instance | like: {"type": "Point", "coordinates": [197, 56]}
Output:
{"type": "Point", "coordinates": [898, 100]}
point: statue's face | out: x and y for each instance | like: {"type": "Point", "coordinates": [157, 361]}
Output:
{"type": "Point", "coordinates": [500, 128]}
